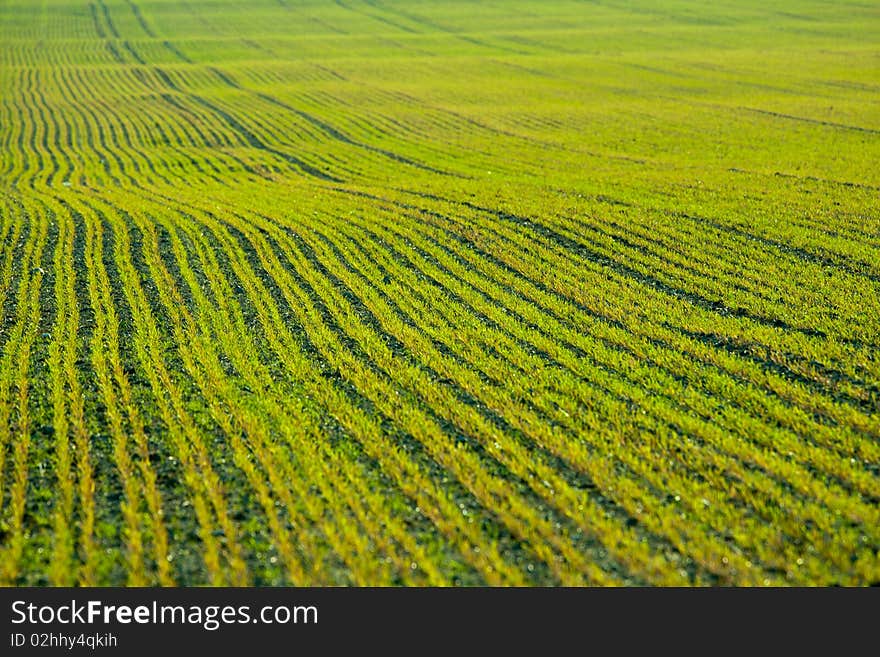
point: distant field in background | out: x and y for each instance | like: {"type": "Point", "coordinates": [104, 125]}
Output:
{"type": "Point", "coordinates": [433, 292]}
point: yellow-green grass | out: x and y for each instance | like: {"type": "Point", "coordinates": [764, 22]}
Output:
{"type": "Point", "coordinates": [413, 292]}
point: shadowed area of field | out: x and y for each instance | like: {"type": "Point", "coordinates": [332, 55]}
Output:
{"type": "Point", "coordinates": [413, 292]}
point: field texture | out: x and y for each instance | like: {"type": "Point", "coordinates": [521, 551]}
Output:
{"type": "Point", "coordinates": [439, 292]}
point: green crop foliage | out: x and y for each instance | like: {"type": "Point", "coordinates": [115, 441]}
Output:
{"type": "Point", "coordinates": [411, 292]}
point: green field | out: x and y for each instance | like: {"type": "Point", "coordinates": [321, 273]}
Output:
{"type": "Point", "coordinates": [423, 292]}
